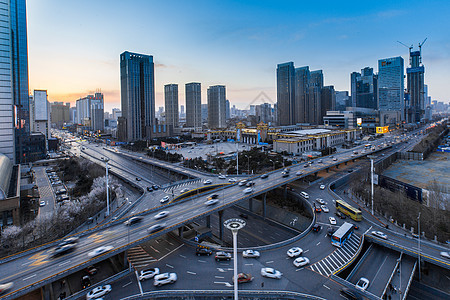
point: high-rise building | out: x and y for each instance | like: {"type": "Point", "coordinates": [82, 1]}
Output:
{"type": "Point", "coordinates": [391, 84]}
{"type": "Point", "coordinates": [314, 106]}
{"type": "Point", "coordinates": [415, 87]}
{"type": "Point", "coordinates": [216, 106]}
{"type": "Point", "coordinates": [204, 112]}
{"type": "Point", "coordinates": [302, 79]}
{"type": "Point", "coordinates": [59, 114]}
{"type": "Point", "coordinates": [286, 93]}
{"type": "Point", "coordinates": [90, 112]}
{"type": "Point", "coordinates": [193, 93]}
{"type": "Point", "coordinates": [41, 113]}
{"type": "Point", "coordinates": [264, 113]}
{"type": "Point", "coordinates": [73, 114]}
{"type": "Point", "coordinates": [327, 101]}
{"type": "Point", "coordinates": [342, 100]}
{"type": "Point", "coordinates": [116, 113]}
{"type": "Point", "coordinates": [364, 88]}
{"type": "Point", "coordinates": [171, 104]}
{"type": "Point", "coordinates": [137, 85]}
{"type": "Point", "coordinates": [227, 109]}
{"type": "Point", "coordinates": [182, 112]}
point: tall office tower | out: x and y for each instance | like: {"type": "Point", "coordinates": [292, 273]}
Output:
{"type": "Point", "coordinates": [73, 114]}
{"type": "Point", "coordinates": [391, 84]}
{"type": "Point", "coordinates": [342, 100]}
{"type": "Point", "coordinates": [204, 112]}
{"type": "Point", "coordinates": [364, 88]}
{"type": "Point", "coordinates": [316, 78]}
{"type": "Point", "coordinates": [97, 114]}
{"type": "Point", "coordinates": [217, 106]}
{"type": "Point", "coordinates": [286, 93]}
{"type": "Point", "coordinates": [116, 113]}
{"type": "Point", "coordinates": [227, 109]}
{"type": "Point", "coordinates": [302, 78]}
{"type": "Point", "coordinates": [415, 87]}
{"type": "Point", "coordinates": [264, 113]}
{"type": "Point", "coordinates": [90, 112]}
{"type": "Point", "coordinates": [193, 93]}
{"type": "Point", "coordinates": [314, 107]}
{"type": "Point", "coordinates": [171, 104]}
{"type": "Point", "coordinates": [59, 114]}
{"type": "Point", "coordinates": [137, 85]}
{"type": "Point", "coordinates": [252, 110]}
{"type": "Point", "coordinates": [41, 114]}
{"type": "Point", "coordinates": [327, 101]}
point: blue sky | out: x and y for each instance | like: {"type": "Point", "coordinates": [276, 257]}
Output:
{"type": "Point", "coordinates": [74, 46]}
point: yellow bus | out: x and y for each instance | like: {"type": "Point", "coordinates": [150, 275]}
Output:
{"type": "Point", "coordinates": [348, 210]}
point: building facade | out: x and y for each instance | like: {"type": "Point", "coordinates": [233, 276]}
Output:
{"type": "Point", "coordinates": [216, 106]}
{"type": "Point", "coordinates": [364, 88]}
{"type": "Point", "coordinates": [342, 100]}
{"type": "Point", "coordinates": [302, 79]}
{"type": "Point", "coordinates": [59, 114]}
{"type": "Point", "coordinates": [391, 84]}
{"type": "Point", "coordinates": [193, 92]}
{"type": "Point", "coordinates": [90, 112]}
{"type": "Point", "coordinates": [416, 88]}
{"type": "Point", "coordinates": [286, 93]}
{"type": "Point", "coordinates": [137, 85]}
{"type": "Point", "coordinates": [171, 105]}
{"type": "Point", "coordinates": [328, 101]}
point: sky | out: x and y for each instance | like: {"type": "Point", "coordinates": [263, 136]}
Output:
{"type": "Point", "coordinates": [74, 46]}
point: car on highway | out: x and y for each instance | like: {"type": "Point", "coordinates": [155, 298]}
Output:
{"type": "Point", "coordinates": [133, 220]}
{"type": "Point", "coordinates": [99, 250]}
{"type": "Point", "coordinates": [248, 190]}
{"type": "Point", "coordinates": [242, 182]}
{"type": "Point", "coordinates": [164, 278]}
{"type": "Point", "coordinates": [332, 220]}
{"type": "Point", "coordinates": [325, 208]}
{"type": "Point", "coordinates": [184, 190]}
{"type": "Point", "coordinates": [250, 183]}
{"type": "Point", "coordinates": [320, 201]}
{"type": "Point", "coordinates": [63, 249]}
{"type": "Point", "coordinates": [42, 203]}
{"type": "Point", "coordinates": [316, 228]}
{"type": "Point", "coordinates": [213, 196]}
{"type": "Point", "coordinates": [161, 215]}
{"type": "Point", "coordinates": [243, 278]}
{"type": "Point", "coordinates": [301, 261]}
{"type": "Point", "coordinates": [380, 234]}
{"type": "Point", "coordinates": [85, 281]}
{"type": "Point", "coordinates": [164, 199]}
{"type": "Point", "coordinates": [294, 252]}
{"type": "Point", "coordinates": [138, 179]}
{"type": "Point", "coordinates": [340, 214]}
{"type": "Point", "coordinates": [211, 202]}
{"type": "Point", "coordinates": [317, 209]}
{"type": "Point", "coordinates": [222, 177]}
{"type": "Point", "coordinates": [155, 187]}
{"type": "Point", "coordinates": [334, 159]}
{"type": "Point", "coordinates": [305, 165]}
{"type": "Point", "coordinates": [98, 292]}
{"type": "Point", "coordinates": [299, 173]}
{"type": "Point", "coordinates": [445, 254]}
{"type": "Point", "coordinates": [362, 283]}
{"type": "Point", "coordinates": [203, 251]}
{"type": "Point", "coordinates": [206, 182]}
{"type": "Point", "coordinates": [148, 273]}
{"type": "Point", "coordinates": [6, 287]}
{"type": "Point", "coordinates": [149, 189]}
{"type": "Point", "coordinates": [284, 174]}
{"type": "Point", "coordinates": [271, 273]}
{"type": "Point", "coordinates": [322, 187]}
{"type": "Point", "coordinates": [222, 255]}
{"type": "Point", "coordinates": [232, 180]}
{"type": "Point", "coordinates": [320, 161]}
{"type": "Point", "coordinates": [156, 227]}
{"type": "Point", "coordinates": [264, 176]}
{"type": "Point", "coordinates": [70, 240]}
{"type": "Point", "coordinates": [251, 254]}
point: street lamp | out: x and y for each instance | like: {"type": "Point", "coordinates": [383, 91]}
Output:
{"type": "Point", "coordinates": [371, 157]}
{"type": "Point", "coordinates": [105, 159]}
{"type": "Point", "coordinates": [234, 225]}
{"type": "Point", "coordinates": [273, 164]}
{"type": "Point", "coordinates": [418, 221]}
{"type": "Point", "coordinates": [399, 261]}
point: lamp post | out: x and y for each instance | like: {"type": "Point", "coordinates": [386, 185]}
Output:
{"type": "Point", "coordinates": [418, 221]}
{"type": "Point", "coordinates": [105, 159]}
{"type": "Point", "coordinates": [371, 157]}
{"type": "Point", "coordinates": [237, 158]}
{"type": "Point", "coordinates": [273, 164]}
{"type": "Point", "coordinates": [400, 274]}
{"type": "Point", "coordinates": [234, 225]}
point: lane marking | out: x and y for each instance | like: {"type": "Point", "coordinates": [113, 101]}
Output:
{"type": "Point", "coordinates": [182, 256]}
{"type": "Point", "coordinates": [325, 286]}
{"type": "Point", "coordinates": [202, 261]}
{"type": "Point", "coordinates": [318, 244]}
{"type": "Point", "coordinates": [220, 277]}
{"type": "Point", "coordinates": [249, 264]}
{"type": "Point", "coordinates": [29, 277]}
{"type": "Point", "coordinates": [64, 263]}
{"type": "Point", "coordinates": [269, 262]}
{"type": "Point", "coordinates": [170, 266]}
{"type": "Point", "coordinates": [127, 284]}
{"type": "Point", "coordinates": [189, 272]}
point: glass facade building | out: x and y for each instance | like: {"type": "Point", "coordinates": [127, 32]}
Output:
{"type": "Point", "coordinates": [217, 106]}
{"type": "Point", "coordinates": [286, 93]}
{"type": "Point", "coordinates": [193, 93]}
{"type": "Point", "coordinates": [171, 104]}
{"type": "Point", "coordinates": [391, 84]}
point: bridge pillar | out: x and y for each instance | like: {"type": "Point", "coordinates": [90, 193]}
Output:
{"type": "Point", "coordinates": [345, 163]}
{"type": "Point", "coordinates": [284, 192]}
{"type": "Point", "coordinates": [250, 204]}
{"type": "Point", "coordinates": [315, 174]}
{"type": "Point", "coordinates": [208, 221]}
{"type": "Point", "coordinates": [264, 206]}
{"type": "Point", "coordinates": [337, 166]}
{"type": "Point", "coordinates": [328, 169]}
{"type": "Point", "coordinates": [180, 231]}
{"type": "Point", "coordinates": [220, 224]}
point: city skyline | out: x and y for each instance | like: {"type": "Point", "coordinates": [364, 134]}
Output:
{"type": "Point", "coordinates": [75, 58]}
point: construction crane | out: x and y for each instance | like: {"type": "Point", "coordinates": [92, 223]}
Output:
{"type": "Point", "coordinates": [409, 47]}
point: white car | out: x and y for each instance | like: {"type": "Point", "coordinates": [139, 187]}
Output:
{"type": "Point", "coordinates": [205, 182]}
{"type": "Point", "coordinates": [211, 202]}
{"type": "Point", "coordinates": [445, 254]}
{"type": "Point", "coordinates": [98, 292]}
{"type": "Point", "coordinates": [161, 215]}
{"type": "Point", "coordinates": [99, 250]}
{"type": "Point", "coordinates": [184, 190]}
{"type": "Point", "coordinates": [322, 187]}
{"type": "Point", "coordinates": [332, 220]}
{"type": "Point", "coordinates": [6, 287]}
{"type": "Point", "coordinates": [222, 177]}
{"type": "Point", "coordinates": [362, 283]}
{"type": "Point", "coordinates": [299, 173]}
{"type": "Point", "coordinates": [379, 234]}
{"type": "Point", "coordinates": [271, 273]}
{"type": "Point", "coordinates": [324, 208]}
{"type": "Point", "coordinates": [148, 273]}
{"type": "Point", "coordinates": [294, 252]}
{"type": "Point", "coordinates": [42, 203]}
{"type": "Point", "coordinates": [301, 261]}
{"type": "Point", "coordinates": [164, 199]}
{"type": "Point", "coordinates": [164, 279]}
{"type": "Point", "coordinates": [232, 180]}
{"type": "Point", "coordinates": [320, 201]}
{"type": "Point", "coordinates": [248, 190]}
{"type": "Point", "coordinates": [250, 254]}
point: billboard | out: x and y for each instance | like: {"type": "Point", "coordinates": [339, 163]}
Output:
{"type": "Point", "coordinates": [359, 121]}
{"type": "Point", "coordinates": [383, 129]}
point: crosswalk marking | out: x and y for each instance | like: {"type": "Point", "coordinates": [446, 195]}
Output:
{"type": "Point", "coordinates": [139, 258]}
{"type": "Point", "coordinates": [338, 258]}
{"type": "Point", "coordinates": [169, 189]}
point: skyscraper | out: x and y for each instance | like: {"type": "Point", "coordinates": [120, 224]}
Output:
{"type": "Point", "coordinates": [286, 93]}
{"type": "Point", "coordinates": [364, 88]}
{"type": "Point", "coordinates": [137, 84]}
{"type": "Point", "coordinates": [171, 104]}
{"type": "Point", "coordinates": [302, 78]}
{"type": "Point", "coordinates": [216, 106]}
{"type": "Point", "coordinates": [327, 101]}
{"type": "Point", "coordinates": [193, 93]}
{"type": "Point", "coordinates": [227, 109]}
{"type": "Point", "coordinates": [391, 84]}
{"type": "Point", "coordinates": [314, 106]}
{"type": "Point", "coordinates": [90, 112]}
{"type": "Point", "coordinates": [415, 87]}
{"type": "Point", "coordinates": [41, 114]}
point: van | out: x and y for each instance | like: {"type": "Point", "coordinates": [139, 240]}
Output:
{"type": "Point", "coordinates": [304, 195]}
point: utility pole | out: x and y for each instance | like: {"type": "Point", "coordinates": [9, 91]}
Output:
{"type": "Point", "coordinates": [371, 176]}
{"type": "Point", "coordinates": [418, 221]}
{"type": "Point", "coordinates": [107, 186]}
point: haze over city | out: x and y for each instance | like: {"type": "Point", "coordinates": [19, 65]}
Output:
{"type": "Point", "coordinates": [74, 46]}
